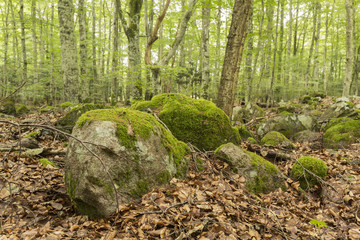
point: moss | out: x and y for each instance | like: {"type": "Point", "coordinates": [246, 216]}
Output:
{"type": "Point", "coordinates": [244, 132]}
{"type": "Point", "coordinates": [8, 107]}
{"type": "Point", "coordinates": [274, 138]}
{"type": "Point", "coordinates": [70, 184]}
{"type": "Point", "coordinates": [163, 177]}
{"type": "Point", "coordinates": [336, 121]}
{"type": "Point", "coordinates": [306, 99]}
{"type": "Point", "coordinates": [252, 140]}
{"type": "Point", "coordinates": [197, 121]}
{"type": "Point", "coordinates": [142, 187]}
{"type": "Point", "coordinates": [350, 104]}
{"type": "Point", "coordinates": [108, 187]}
{"type": "Point", "coordinates": [47, 109]}
{"type": "Point", "coordinates": [199, 164]}
{"type": "Point", "coordinates": [32, 135]}
{"type": "Point", "coordinates": [22, 109]}
{"type": "Point", "coordinates": [86, 209]}
{"type": "Point", "coordinates": [342, 134]}
{"type": "Point", "coordinates": [314, 165]}
{"type": "Point", "coordinates": [67, 104]}
{"type": "Point", "coordinates": [45, 162]}
{"type": "Point", "coordinates": [285, 113]}
{"type": "Point", "coordinates": [132, 123]}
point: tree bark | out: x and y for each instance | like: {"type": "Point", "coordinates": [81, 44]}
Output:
{"type": "Point", "coordinates": [349, 5]}
{"type": "Point", "coordinates": [94, 80]}
{"type": "Point", "coordinates": [23, 44]}
{"type": "Point", "coordinates": [233, 55]}
{"type": "Point", "coordinates": [248, 64]}
{"type": "Point", "coordinates": [69, 62]}
{"type": "Point", "coordinates": [35, 53]}
{"type": "Point", "coordinates": [115, 57]}
{"type": "Point", "coordinates": [83, 51]}
{"type": "Point", "coordinates": [205, 70]}
{"type": "Point", "coordinates": [316, 55]}
{"type": "Point", "coordinates": [307, 75]}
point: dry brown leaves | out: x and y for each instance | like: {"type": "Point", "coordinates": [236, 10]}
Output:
{"type": "Point", "coordinates": [211, 204]}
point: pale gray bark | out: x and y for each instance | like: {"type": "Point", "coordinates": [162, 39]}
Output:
{"type": "Point", "coordinates": [15, 44]}
{"type": "Point", "coordinates": [288, 52]}
{"type": "Point", "coordinates": [83, 50]}
{"type": "Point", "coordinates": [325, 68]}
{"type": "Point", "coordinates": [349, 5]}
{"type": "Point", "coordinates": [115, 56]}
{"type": "Point", "coordinates": [307, 75]}
{"type": "Point", "coordinates": [52, 57]}
{"type": "Point", "coordinates": [218, 46]}
{"type": "Point", "coordinates": [205, 70]}
{"type": "Point", "coordinates": [34, 40]}
{"type": "Point", "coordinates": [248, 64]}
{"type": "Point", "coordinates": [69, 61]}
{"type": "Point", "coordinates": [6, 42]}
{"type": "Point", "coordinates": [94, 80]}
{"type": "Point", "coordinates": [23, 45]}
{"type": "Point", "coordinates": [233, 55]}
{"type": "Point", "coordinates": [316, 54]}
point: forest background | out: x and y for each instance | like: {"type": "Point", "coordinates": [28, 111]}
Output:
{"type": "Point", "coordinates": [293, 47]}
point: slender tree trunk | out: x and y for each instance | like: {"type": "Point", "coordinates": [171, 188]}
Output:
{"type": "Point", "coordinates": [288, 52]}
{"type": "Point", "coordinates": [218, 46]}
{"type": "Point", "coordinates": [307, 75]}
{"type": "Point", "coordinates": [6, 42]}
{"type": "Point", "coordinates": [280, 66]}
{"type": "Point", "coordinates": [35, 53]}
{"type": "Point", "coordinates": [69, 61]}
{"type": "Point", "coordinates": [23, 45]}
{"type": "Point", "coordinates": [115, 57]}
{"type": "Point", "coordinates": [268, 46]}
{"type": "Point", "coordinates": [52, 57]}
{"type": "Point", "coordinates": [83, 50]}
{"type": "Point", "coordinates": [233, 55]}
{"type": "Point", "coordinates": [317, 40]}
{"type": "Point", "coordinates": [327, 22]}
{"type": "Point", "coordinates": [249, 57]}
{"type": "Point", "coordinates": [94, 80]}
{"type": "Point", "coordinates": [205, 70]}
{"type": "Point", "coordinates": [15, 44]}
{"type": "Point", "coordinates": [259, 44]}
{"type": "Point", "coordinates": [349, 5]}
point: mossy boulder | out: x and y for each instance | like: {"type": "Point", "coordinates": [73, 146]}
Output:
{"type": "Point", "coordinates": [342, 134]}
{"type": "Point", "coordinates": [137, 150]}
{"type": "Point", "coordinates": [314, 165]}
{"type": "Point", "coordinates": [287, 125]}
{"type": "Point", "coordinates": [245, 132]}
{"type": "Point", "coordinates": [8, 107]}
{"type": "Point", "coordinates": [252, 141]}
{"type": "Point", "coordinates": [289, 107]}
{"type": "Point", "coordinates": [197, 121]}
{"type": "Point", "coordinates": [22, 109]}
{"type": "Point", "coordinates": [261, 175]}
{"type": "Point", "coordinates": [67, 122]}
{"type": "Point", "coordinates": [47, 109]}
{"type": "Point", "coordinates": [66, 105]}
{"type": "Point", "coordinates": [247, 113]}
{"type": "Point", "coordinates": [336, 110]}
{"type": "Point", "coordinates": [336, 121]}
{"type": "Point", "coordinates": [277, 139]}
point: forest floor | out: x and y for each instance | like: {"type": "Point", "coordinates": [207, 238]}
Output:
{"type": "Point", "coordinates": [208, 204]}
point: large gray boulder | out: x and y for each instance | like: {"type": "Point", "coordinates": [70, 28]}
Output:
{"type": "Point", "coordinates": [247, 113]}
{"type": "Point", "coordinates": [261, 176]}
{"type": "Point", "coordinates": [336, 110]}
{"type": "Point", "coordinates": [287, 125]}
{"type": "Point", "coordinates": [137, 150]}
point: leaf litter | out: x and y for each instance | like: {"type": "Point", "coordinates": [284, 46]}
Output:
{"type": "Point", "coordinates": [208, 204]}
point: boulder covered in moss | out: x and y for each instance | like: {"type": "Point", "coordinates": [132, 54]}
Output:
{"type": "Point", "coordinates": [197, 121]}
{"type": "Point", "coordinates": [22, 109]}
{"type": "Point", "coordinates": [8, 107]}
{"type": "Point", "coordinates": [261, 175]}
{"type": "Point", "coordinates": [244, 132]}
{"type": "Point", "coordinates": [247, 113]}
{"type": "Point", "coordinates": [336, 121]}
{"type": "Point", "coordinates": [287, 125]}
{"type": "Point", "coordinates": [277, 139]}
{"type": "Point", "coordinates": [336, 110]}
{"type": "Point", "coordinates": [300, 172]}
{"type": "Point", "coordinates": [137, 150]}
{"type": "Point", "coordinates": [342, 134]}
{"type": "Point", "coordinates": [67, 122]}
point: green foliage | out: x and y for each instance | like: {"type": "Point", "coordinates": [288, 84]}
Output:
{"type": "Point", "coordinates": [45, 162]}
{"type": "Point", "coordinates": [314, 165]}
{"type": "Point", "coordinates": [47, 109]}
{"type": "Point", "coordinates": [318, 224]}
{"type": "Point", "coordinates": [32, 135]}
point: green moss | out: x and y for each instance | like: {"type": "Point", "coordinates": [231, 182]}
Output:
{"type": "Point", "coordinates": [306, 99]}
{"type": "Point", "coordinates": [197, 121]}
{"type": "Point", "coordinates": [199, 164]}
{"type": "Point", "coordinates": [342, 134]}
{"type": "Point", "coordinates": [336, 121]}
{"type": "Point", "coordinates": [244, 132]}
{"type": "Point", "coordinates": [314, 165]}
{"type": "Point", "coordinates": [274, 138]}
{"type": "Point", "coordinates": [86, 209]}
{"type": "Point", "coordinates": [8, 107]}
{"type": "Point", "coordinates": [285, 113]}
{"type": "Point", "coordinates": [47, 109]}
{"type": "Point", "coordinates": [252, 140]}
{"type": "Point", "coordinates": [22, 109]}
{"type": "Point", "coordinates": [142, 187]}
{"type": "Point", "coordinates": [163, 177]}
{"type": "Point", "coordinates": [32, 135]}
{"type": "Point", "coordinates": [70, 184]}
{"type": "Point", "coordinates": [66, 105]}
{"type": "Point", "coordinates": [351, 104]}
{"type": "Point", "coordinates": [45, 162]}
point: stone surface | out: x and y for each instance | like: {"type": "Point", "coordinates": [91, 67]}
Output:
{"type": "Point", "coordinates": [287, 125]}
{"type": "Point", "coordinates": [197, 121]}
{"type": "Point", "coordinates": [339, 109]}
{"type": "Point", "coordinates": [307, 136]}
{"type": "Point", "coordinates": [261, 175]}
{"type": "Point", "coordinates": [137, 150]}
{"type": "Point", "coordinates": [277, 139]}
{"type": "Point", "coordinates": [247, 113]}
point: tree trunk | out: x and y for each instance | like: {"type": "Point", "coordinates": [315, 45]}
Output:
{"type": "Point", "coordinates": [83, 51]}
{"type": "Point", "coordinates": [233, 55]}
{"type": "Point", "coordinates": [288, 52]}
{"type": "Point", "coordinates": [307, 75]}
{"type": "Point", "coordinates": [205, 70]}
{"type": "Point", "coordinates": [316, 55]}
{"type": "Point", "coordinates": [6, 41]}
{"type": "Point", "coordinates": [349, 5]}
{"type": "Point", "coordinates": [94, 80]}
{"type": "Point", "coordinates": [69, 62]}
{"type": "Point", "coordinates": [218, 46]}
{"type": "Point", "coordinates": [52, 57]}
{"type": "Point", "coordinates": [249, 57]}
{"type": "Point", "coordinates": [115, 57]}
{"type": "Point", "coordinates": [35, 53]}
{"type": "Point", "coordinates": [23, 45]}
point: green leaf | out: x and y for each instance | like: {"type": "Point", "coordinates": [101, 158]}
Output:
{"type": "Point", "coordinates": [318, 224]}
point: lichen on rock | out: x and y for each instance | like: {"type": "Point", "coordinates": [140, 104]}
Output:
{"type": "Point", "coordinates": [197, 121]}
{"type": "Point", "coordinates": [137, 150]}
{"type": "Point", "coordinates": [314, 165]}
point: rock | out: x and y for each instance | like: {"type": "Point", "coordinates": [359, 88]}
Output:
{"type": "Point", "coordinates": [138, 151]}
{"type": "Point", "coordinates": [336, 121]}
{"type": "Point", "coordinates": [342, 134]}
{"type": "Point", "coordinates": [339, 109]}
{"type": "Point", "coordinates": [67, 122]}
{"type": "Point", "coordinates": [28, 142]}
{"type": "Point", "coordinates": [261, 175]}
{"type": "Point", "coordinates": [307, 180]}
{"type": "Point", "coordinates": [47, 109]}
{"type": "Point", "coordinates": [288, 107]}
{"type": "Point", "coordinates": [197, 121]}
{"type": "Point", "coordinates": [307, 136]}
{"type": "Point", "coordinates": [287, 125]}
{"type": "Point", "coordinates": [8, 107]}
{"type": "Point", "coordinates": [34, 152]}
{"type": "Point", "coordinates": [244, 132]}
{"type": "Point", "coordinates": [246, 114]}
{"type": "Point", "coordinates": [22, 109]}
{"type": "Point", "coordinates": [277, 139]}
{"type": "Point", "coordinates": [342, 99]}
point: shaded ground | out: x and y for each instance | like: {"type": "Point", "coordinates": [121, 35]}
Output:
{"type": "Point", "coordinates": [209, 204]}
